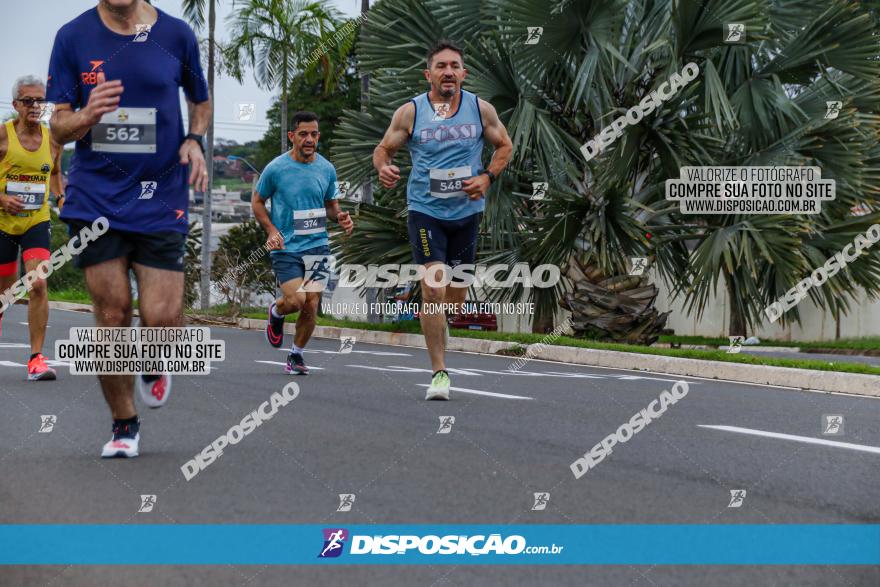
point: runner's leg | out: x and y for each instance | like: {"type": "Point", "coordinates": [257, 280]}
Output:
{"type": "Point", "coordinates": [35, 250]}
{"type": "Point", "coordinates": [110, 291]}
{"type": "Point", "coordinates": [6, 281]}
{"type": "Point", "coordinates": [461, 250]}
{"type": "Point", "coordinates": [38, 307]}
{"type": "Point", "coordinates": [429, 241]}
{"type": "Point", "coordinates": [160, 296]}
{"type": "Point", "coordinates": [305, 322]}
{"type": "Point", "coordinates": [294, 300]}
{"type": "Point", "coordinates": [8, 263]}
{"type": "Point", "coordinates": [434, 322]}
{"type": "Point", "coordinates": [291, 299]}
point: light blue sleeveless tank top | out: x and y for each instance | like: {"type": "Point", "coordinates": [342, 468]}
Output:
{"type": "Point", "coordinates": [445, 152]}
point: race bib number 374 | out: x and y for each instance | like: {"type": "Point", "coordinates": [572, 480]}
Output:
{"type": "Point", "coordinates": [309, 221]}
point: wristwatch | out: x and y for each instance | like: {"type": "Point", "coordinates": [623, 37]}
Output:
{"type": "Point", "coordinates": [491, 175]}
{"type": "Point", "coordinates": [198, 139]}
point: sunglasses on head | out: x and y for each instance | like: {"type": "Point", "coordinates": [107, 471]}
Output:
{"type": "Point", "coordinates": [28, 102]}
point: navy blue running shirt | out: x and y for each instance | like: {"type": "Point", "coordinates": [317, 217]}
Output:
{"type": "Point", "coordinates": [127, 167]}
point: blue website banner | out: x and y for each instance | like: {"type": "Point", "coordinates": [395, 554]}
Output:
{"type": "Point", "coordinates": [413, 544]}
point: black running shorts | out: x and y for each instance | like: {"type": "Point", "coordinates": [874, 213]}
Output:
{"type": "Point", "coordinates": [160, 250]}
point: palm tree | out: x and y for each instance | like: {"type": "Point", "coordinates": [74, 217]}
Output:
{"type": "Point", "coordinates": [755, 103]}
{"type": "Point", "coordinates": [275, 38]}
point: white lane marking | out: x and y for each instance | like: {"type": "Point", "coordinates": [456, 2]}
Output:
{"type": "Point", "coordinates": [14, 345]}
{"type": "Point", "coordinates": [25, 324]}
{"type": "Point", "coordinates": [531, 373]}
{"type": "Point", "coordinates": [401, 369]}
{"type": "Point", "coordinates": [285, 364]}
{"type": "Point", "coordinates": [804, 439]}
{"type": "Point", "coordinates": [479, 372]}
{"type": "Point", "coordinates": [478, 392]}
{"type": "Point", "coordinates": [49, 362]}
{"type": "Point", "coordinates": [377, 353]}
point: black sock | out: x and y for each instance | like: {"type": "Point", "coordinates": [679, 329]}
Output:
{"type": "Point", "coordinates": [133, 425]}
{"type": "Point", "coordinates": [150, 378]}
{"type": "Point", "coordinates": [440, 371]}
{"type": "Point", "coordinates": [34, 355]}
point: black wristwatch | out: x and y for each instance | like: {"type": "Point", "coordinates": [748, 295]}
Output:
{"type": "Point", "coordinates": [198, 139]}
{"type": "Point", "coordinates": [491, 175]}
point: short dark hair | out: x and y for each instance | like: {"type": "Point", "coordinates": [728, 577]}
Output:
{"type": "Point", "coordinates": [440, 46]}
{"type": "Point", "coordinates": [302, 116]}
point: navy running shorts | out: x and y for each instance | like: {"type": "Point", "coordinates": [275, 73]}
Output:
{"type": "Point", "coordinates": [451, 242]}
{"type": "Point", "coordinates": [288, 266]}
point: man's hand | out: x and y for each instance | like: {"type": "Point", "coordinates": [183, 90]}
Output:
{"type": "Point", "coordinates": [275, 241]}
{"type": "Point", "coordinates": [191, 153]}
{"type": "Point", "coordinates": [345, 222]}
{"type": "Point", "coordinates": [10, 204]}
{"type": "Point", "coordinates": [476, 187]}
{"type": "Point", "coordinates": [103, 98]}
{"type": "Point", "coordinates": [389, 175]}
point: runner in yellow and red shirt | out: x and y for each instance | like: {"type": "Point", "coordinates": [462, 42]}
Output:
{"type": "Point", "coordinates": [30, 169]}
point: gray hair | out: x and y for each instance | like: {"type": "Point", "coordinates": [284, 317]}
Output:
{"type": "Point", "coordinates": [25, 80]}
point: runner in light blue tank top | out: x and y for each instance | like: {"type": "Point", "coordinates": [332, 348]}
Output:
{"type": "Point", "coordinates": [446, 150]}
{"type": "Point", "coordinates": [444, 130]}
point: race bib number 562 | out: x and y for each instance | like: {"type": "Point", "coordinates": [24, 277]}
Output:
{"type": "Point", "coordinates": [127, 130]}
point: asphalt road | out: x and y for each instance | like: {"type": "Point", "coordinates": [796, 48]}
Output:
{"type": "Point", "coordinates": [360, 425]}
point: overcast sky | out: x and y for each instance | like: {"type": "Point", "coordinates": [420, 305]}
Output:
{"type": "Point", "coordinates": [26, 49]}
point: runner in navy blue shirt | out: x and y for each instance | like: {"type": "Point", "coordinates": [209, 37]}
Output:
{"type": "Point", "coordinates": [115, 77]}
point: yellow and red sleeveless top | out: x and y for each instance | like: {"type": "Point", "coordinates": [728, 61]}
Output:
{"type": "Point", "coordinates": [25, 174]}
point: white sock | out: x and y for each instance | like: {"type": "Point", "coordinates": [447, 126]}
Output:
{"type": "Point", "coordinates": [275, 313]}
{"type": "Point", "coordinates": [296, 349]}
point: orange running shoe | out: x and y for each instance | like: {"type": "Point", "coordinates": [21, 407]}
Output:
{"type": "Point", "coordinates": [38, 370]}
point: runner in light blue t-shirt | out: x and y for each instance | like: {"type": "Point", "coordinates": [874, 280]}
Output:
{"type": "Point", "coordinates": [301, 184]}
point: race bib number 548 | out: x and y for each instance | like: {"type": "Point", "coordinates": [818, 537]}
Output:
{"type": "Point", "coordinates": [447, 183]}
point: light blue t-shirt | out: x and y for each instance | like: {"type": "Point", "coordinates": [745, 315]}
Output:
{"type": "Point", "coordinates": [297, 192]}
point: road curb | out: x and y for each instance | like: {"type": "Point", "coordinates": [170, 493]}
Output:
{"type": "Point", "coordinates": [856, 383]}
{"type": "Point", "coordinates": [829, 381]}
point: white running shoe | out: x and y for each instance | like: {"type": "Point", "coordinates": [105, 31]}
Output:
{"type": "Point", "coordinates": [439, 388]}
{"type": "Point", "coordinates": [123, 444]}
{"type": "Point", "coordinates": [153, 393]}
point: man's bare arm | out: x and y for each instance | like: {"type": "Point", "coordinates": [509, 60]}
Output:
{"type": "Point", "coordinates": [496, 134]}
{"type": "Point", "coordinates": [335, 213]}
{"type": "Point", "coordinates": [274, 241]}
{"type": "Point", "coordinates": [55, 184]}
{"type": "Point", "coordinates": [3, 141]}
{"type": "Point", "coordinates": [68, 126]}
{"type": "Point", "coordinates": [395, 137]}
{"type": "Point", "coordinates": [190, 151]}
{"type": "Point", "coordinates": [9, 204]}
{"type": "Point", "coordinates": [199, 115]}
